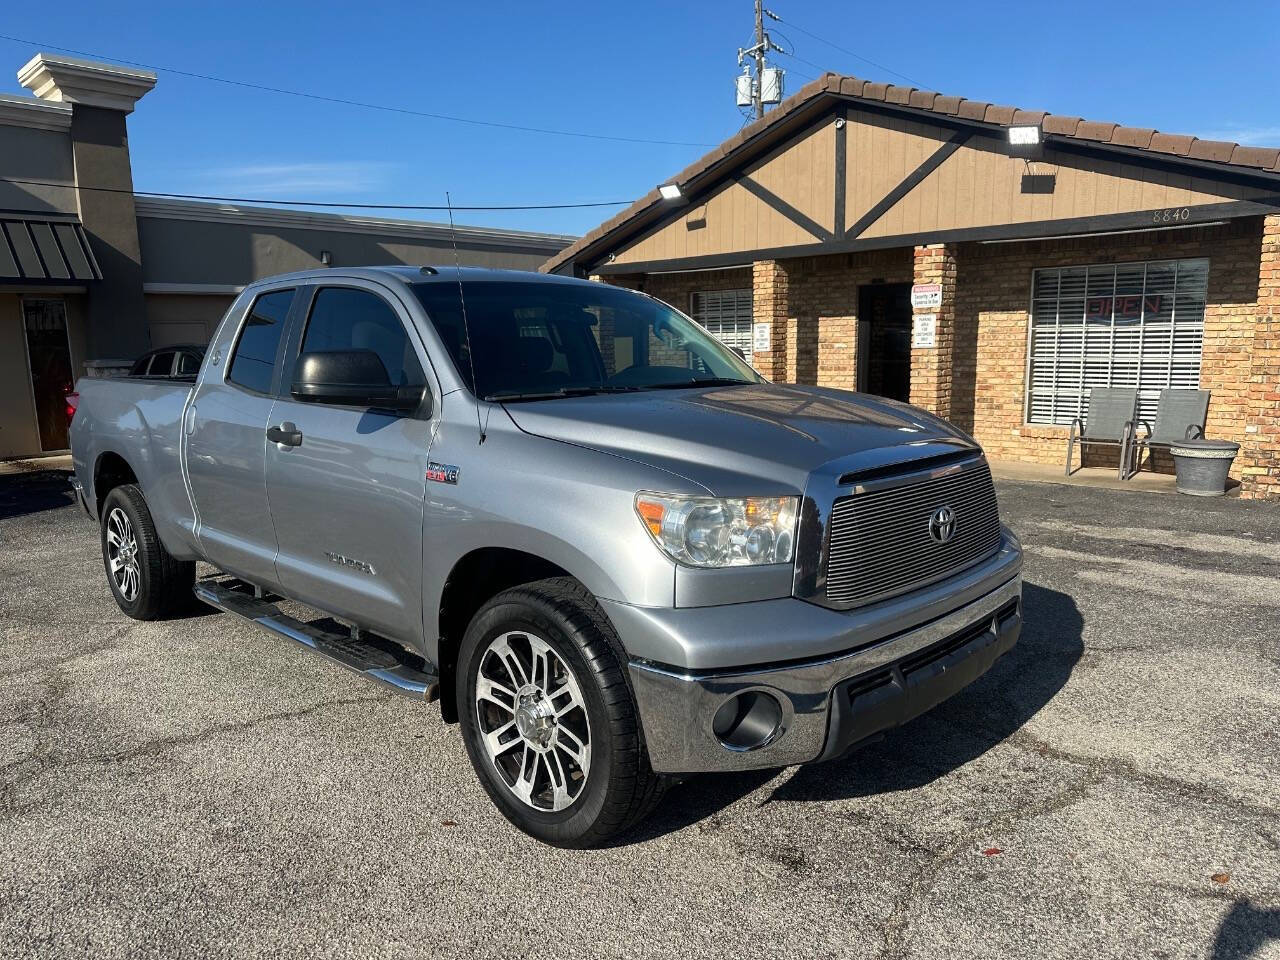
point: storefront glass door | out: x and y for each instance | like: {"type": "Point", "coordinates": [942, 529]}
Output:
{"type": "Point", "coordinates": [884, 340]}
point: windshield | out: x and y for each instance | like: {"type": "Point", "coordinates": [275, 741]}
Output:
{"type": "Point", "coordinates": [541, 340]}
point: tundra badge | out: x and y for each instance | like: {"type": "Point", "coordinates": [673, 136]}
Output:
{"type": "Point", "coordinates": [348, 562]}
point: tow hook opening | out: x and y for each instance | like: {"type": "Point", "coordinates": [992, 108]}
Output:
{"type": "Point", "coordinates": [748, 721]}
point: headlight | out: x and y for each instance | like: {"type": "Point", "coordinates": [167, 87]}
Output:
{"type": "Point", "coordinates": [715, 532]}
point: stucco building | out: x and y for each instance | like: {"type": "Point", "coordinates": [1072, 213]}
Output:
{"type": "Point", "coordinates": [91, 272]}
{"type": "Point", "coordinates": [1099, 255]}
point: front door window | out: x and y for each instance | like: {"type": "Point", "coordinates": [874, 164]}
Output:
{"type": "Point", "coordinates": [52, 378]}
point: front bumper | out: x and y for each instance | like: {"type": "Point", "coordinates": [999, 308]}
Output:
{"type": "Point", "coordinates": [827, 705]}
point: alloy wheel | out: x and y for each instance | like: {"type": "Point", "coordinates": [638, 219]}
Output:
{"type": "Point", "coordinates": [122, 554]}
{"type": "Point", "coordinates": [533, 721]}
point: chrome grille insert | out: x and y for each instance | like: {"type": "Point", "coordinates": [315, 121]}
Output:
{"type": "Point", "coordinates": [880, 545]}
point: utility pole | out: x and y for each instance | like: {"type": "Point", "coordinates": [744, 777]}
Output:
{"type": "Point", "coordinates": [765, 87]}
{"type": "Point", "coordinates": [762, 45]}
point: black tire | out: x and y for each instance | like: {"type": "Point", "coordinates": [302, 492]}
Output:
{"type": "Point", "coordinates": [160, 586]}
{"type": "Point", "coordinates": [620, 787]}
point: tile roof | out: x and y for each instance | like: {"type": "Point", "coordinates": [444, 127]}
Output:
{"type": "Point", "coordinates": [1265, 159]}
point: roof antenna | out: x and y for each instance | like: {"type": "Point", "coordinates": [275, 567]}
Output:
{"type": "Point", "coordinates": [466, 327]}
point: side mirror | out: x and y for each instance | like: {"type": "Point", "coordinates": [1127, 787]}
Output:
{"type": "Point", "coordinates": [355, 378]}
{"type": "Point", "coordinates": [738, 351]}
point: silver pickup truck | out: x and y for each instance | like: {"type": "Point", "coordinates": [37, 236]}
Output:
{"type": "Point", "coordinates": [614, 552]}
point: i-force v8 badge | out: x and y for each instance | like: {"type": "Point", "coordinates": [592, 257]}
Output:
{"type": "Point", "coordinates": [442, 472]}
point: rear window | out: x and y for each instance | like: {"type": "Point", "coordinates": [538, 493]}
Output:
{"type": "Point", "coordinates": [253, 362]}
{"type": "Point", "coordinates": [188, 364]}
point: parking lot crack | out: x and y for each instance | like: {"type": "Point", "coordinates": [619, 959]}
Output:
{"type": "Point", "coordinates": [894, 929]}
{"type": "Point", "coordinates": [55, 664]}
{"type": "Point", "coordinates": [1126, 770]}
{"type": "Point", "coordinates": [45, 763]}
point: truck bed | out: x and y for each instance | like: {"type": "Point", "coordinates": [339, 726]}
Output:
{"type": "Point", "coordinates": [139, 420]}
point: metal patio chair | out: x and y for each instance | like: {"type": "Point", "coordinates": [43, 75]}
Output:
{"type": "Point", "coordinates": [1109, 422]}
{"type": "Point", "coordinates": [1180, 415]}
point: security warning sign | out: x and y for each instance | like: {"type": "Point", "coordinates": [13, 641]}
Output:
{"type": "Point", "coordinates": [926, 296]}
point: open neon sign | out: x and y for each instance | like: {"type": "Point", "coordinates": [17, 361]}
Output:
{"type": "Point", "coordinates": [1128, 307]}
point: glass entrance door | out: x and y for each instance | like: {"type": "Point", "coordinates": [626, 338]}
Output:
{"type": "Point", "coordinates": [49, 358]}
{"type": "Point", "coordinates": [884, 340]}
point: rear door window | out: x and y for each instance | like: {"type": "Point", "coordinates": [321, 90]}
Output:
{"type": "Point", "coordinates": [253, 362]}
{"type": "Point", "coordinates": [161, 364]}
{"type": "Point", "coordinates": [344, 318]}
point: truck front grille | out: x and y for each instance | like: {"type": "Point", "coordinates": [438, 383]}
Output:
{"type": "Point", "coordinates": [880, 543]}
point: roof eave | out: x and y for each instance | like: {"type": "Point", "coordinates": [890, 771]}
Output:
{"type": "Point", "coordinates": [737, 149]}
{"type": "Point", "coordinates": [1220, 160]}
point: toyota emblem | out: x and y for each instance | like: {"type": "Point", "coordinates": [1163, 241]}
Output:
{"type": "Point", "coordinates": [942, 525]}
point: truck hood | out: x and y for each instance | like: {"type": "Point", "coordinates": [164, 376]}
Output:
{"type": "Point", "coordinates": [744, 440]}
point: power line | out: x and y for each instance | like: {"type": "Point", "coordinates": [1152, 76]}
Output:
{"type": "Point", "coordinates": [818, 67]}
{"type": "Point", "coordinates": [801, 74]}
{"type": "Point", "coordinates": [844, 50]}
{"type": "Point", "coordinates": [386, 108]}
{"type": "Point", "coordinates": [318, 203]}
{"type": "Point", "coordinates": [792, 54]}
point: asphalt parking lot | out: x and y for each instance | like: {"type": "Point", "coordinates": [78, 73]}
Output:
{"type": "Point", "coordinates": [1110, 789]}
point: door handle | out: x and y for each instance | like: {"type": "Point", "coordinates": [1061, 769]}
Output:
{"type": "Point", "coordinates": [287, 434]}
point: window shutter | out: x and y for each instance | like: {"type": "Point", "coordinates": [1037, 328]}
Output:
{"type": "Point", "coordinates": [727, 315]}
{"type": "Point", "coordinates": [1113, 325]}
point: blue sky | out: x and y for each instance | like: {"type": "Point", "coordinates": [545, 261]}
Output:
{"type": "Point", "coordinates": [660, 71]}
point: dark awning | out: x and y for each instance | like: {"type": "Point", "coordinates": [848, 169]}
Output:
{"type": "Point", "coordinates": [48, 249]}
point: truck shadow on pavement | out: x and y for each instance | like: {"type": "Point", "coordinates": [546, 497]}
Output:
{"type": "Point", "coordinates": [1245, 931]}
{"type": "Point", "coordinates": [924, 750]}
{"type": "Point", "coordinates": [34, 491]}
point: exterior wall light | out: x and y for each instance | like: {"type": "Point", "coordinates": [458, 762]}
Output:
{"type": "Point", "coordinates": [1024, 136]}
{"type": "Point", "coordinates": [670, 191]}
{"type": "Point", "coordinates": [1026, 142]}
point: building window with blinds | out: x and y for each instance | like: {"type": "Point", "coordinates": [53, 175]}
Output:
{"type": "Point", "coordinates": [727, 315]}
{"type": "Point", "coordinates": [1113, 325]}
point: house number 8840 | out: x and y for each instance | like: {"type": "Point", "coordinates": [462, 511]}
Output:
{"type": "Point", "coordinates": [1171, 215]}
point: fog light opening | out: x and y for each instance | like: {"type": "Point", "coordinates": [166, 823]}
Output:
{"type": "Point", "coordinates": [748, 721]}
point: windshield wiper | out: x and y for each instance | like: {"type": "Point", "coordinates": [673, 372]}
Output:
{"type": "Point", "coordinates": [699, 382]}
{"type": "Point", "coordinates": [511, 396]}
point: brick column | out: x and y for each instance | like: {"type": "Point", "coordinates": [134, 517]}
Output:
{"type": "Point", "coordinates": [771, 303]}
{"type": "Point", "coordinates": [838, 352]}
{"type": "Point", "coordinates": [1260, 453]}
{"type": "Point", "coordinates": [932, 367]}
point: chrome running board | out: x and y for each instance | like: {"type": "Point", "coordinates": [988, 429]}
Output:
{"type": "Point", "coordinates": [364, 653]}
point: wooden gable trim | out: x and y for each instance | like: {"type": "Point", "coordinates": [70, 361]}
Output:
{"type": "Point", "coordinates": [830, 107]}
{"type": "Point", "coordinates": [908, 183]}
{"type": "Point", "coordinates": [841, 159]}
{"type": "Point", "coordinates": [1200, 215]}
{"type": "Point", "coordinates": [710, 183]}
{"type": "Point", "coordinates": [787, 210]}
{"type": "Point", "coordinates": [722, 179]}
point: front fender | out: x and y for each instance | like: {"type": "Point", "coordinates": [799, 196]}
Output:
{"type": "Point", "coordinates": [565, 504]}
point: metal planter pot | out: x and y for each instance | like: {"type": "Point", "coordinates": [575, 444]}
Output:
{"type": "Point", "coordinates": [1202, 466]}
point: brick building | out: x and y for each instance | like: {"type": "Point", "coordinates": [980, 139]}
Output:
{"type": "Point", "coordinates": [1095, 255]}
